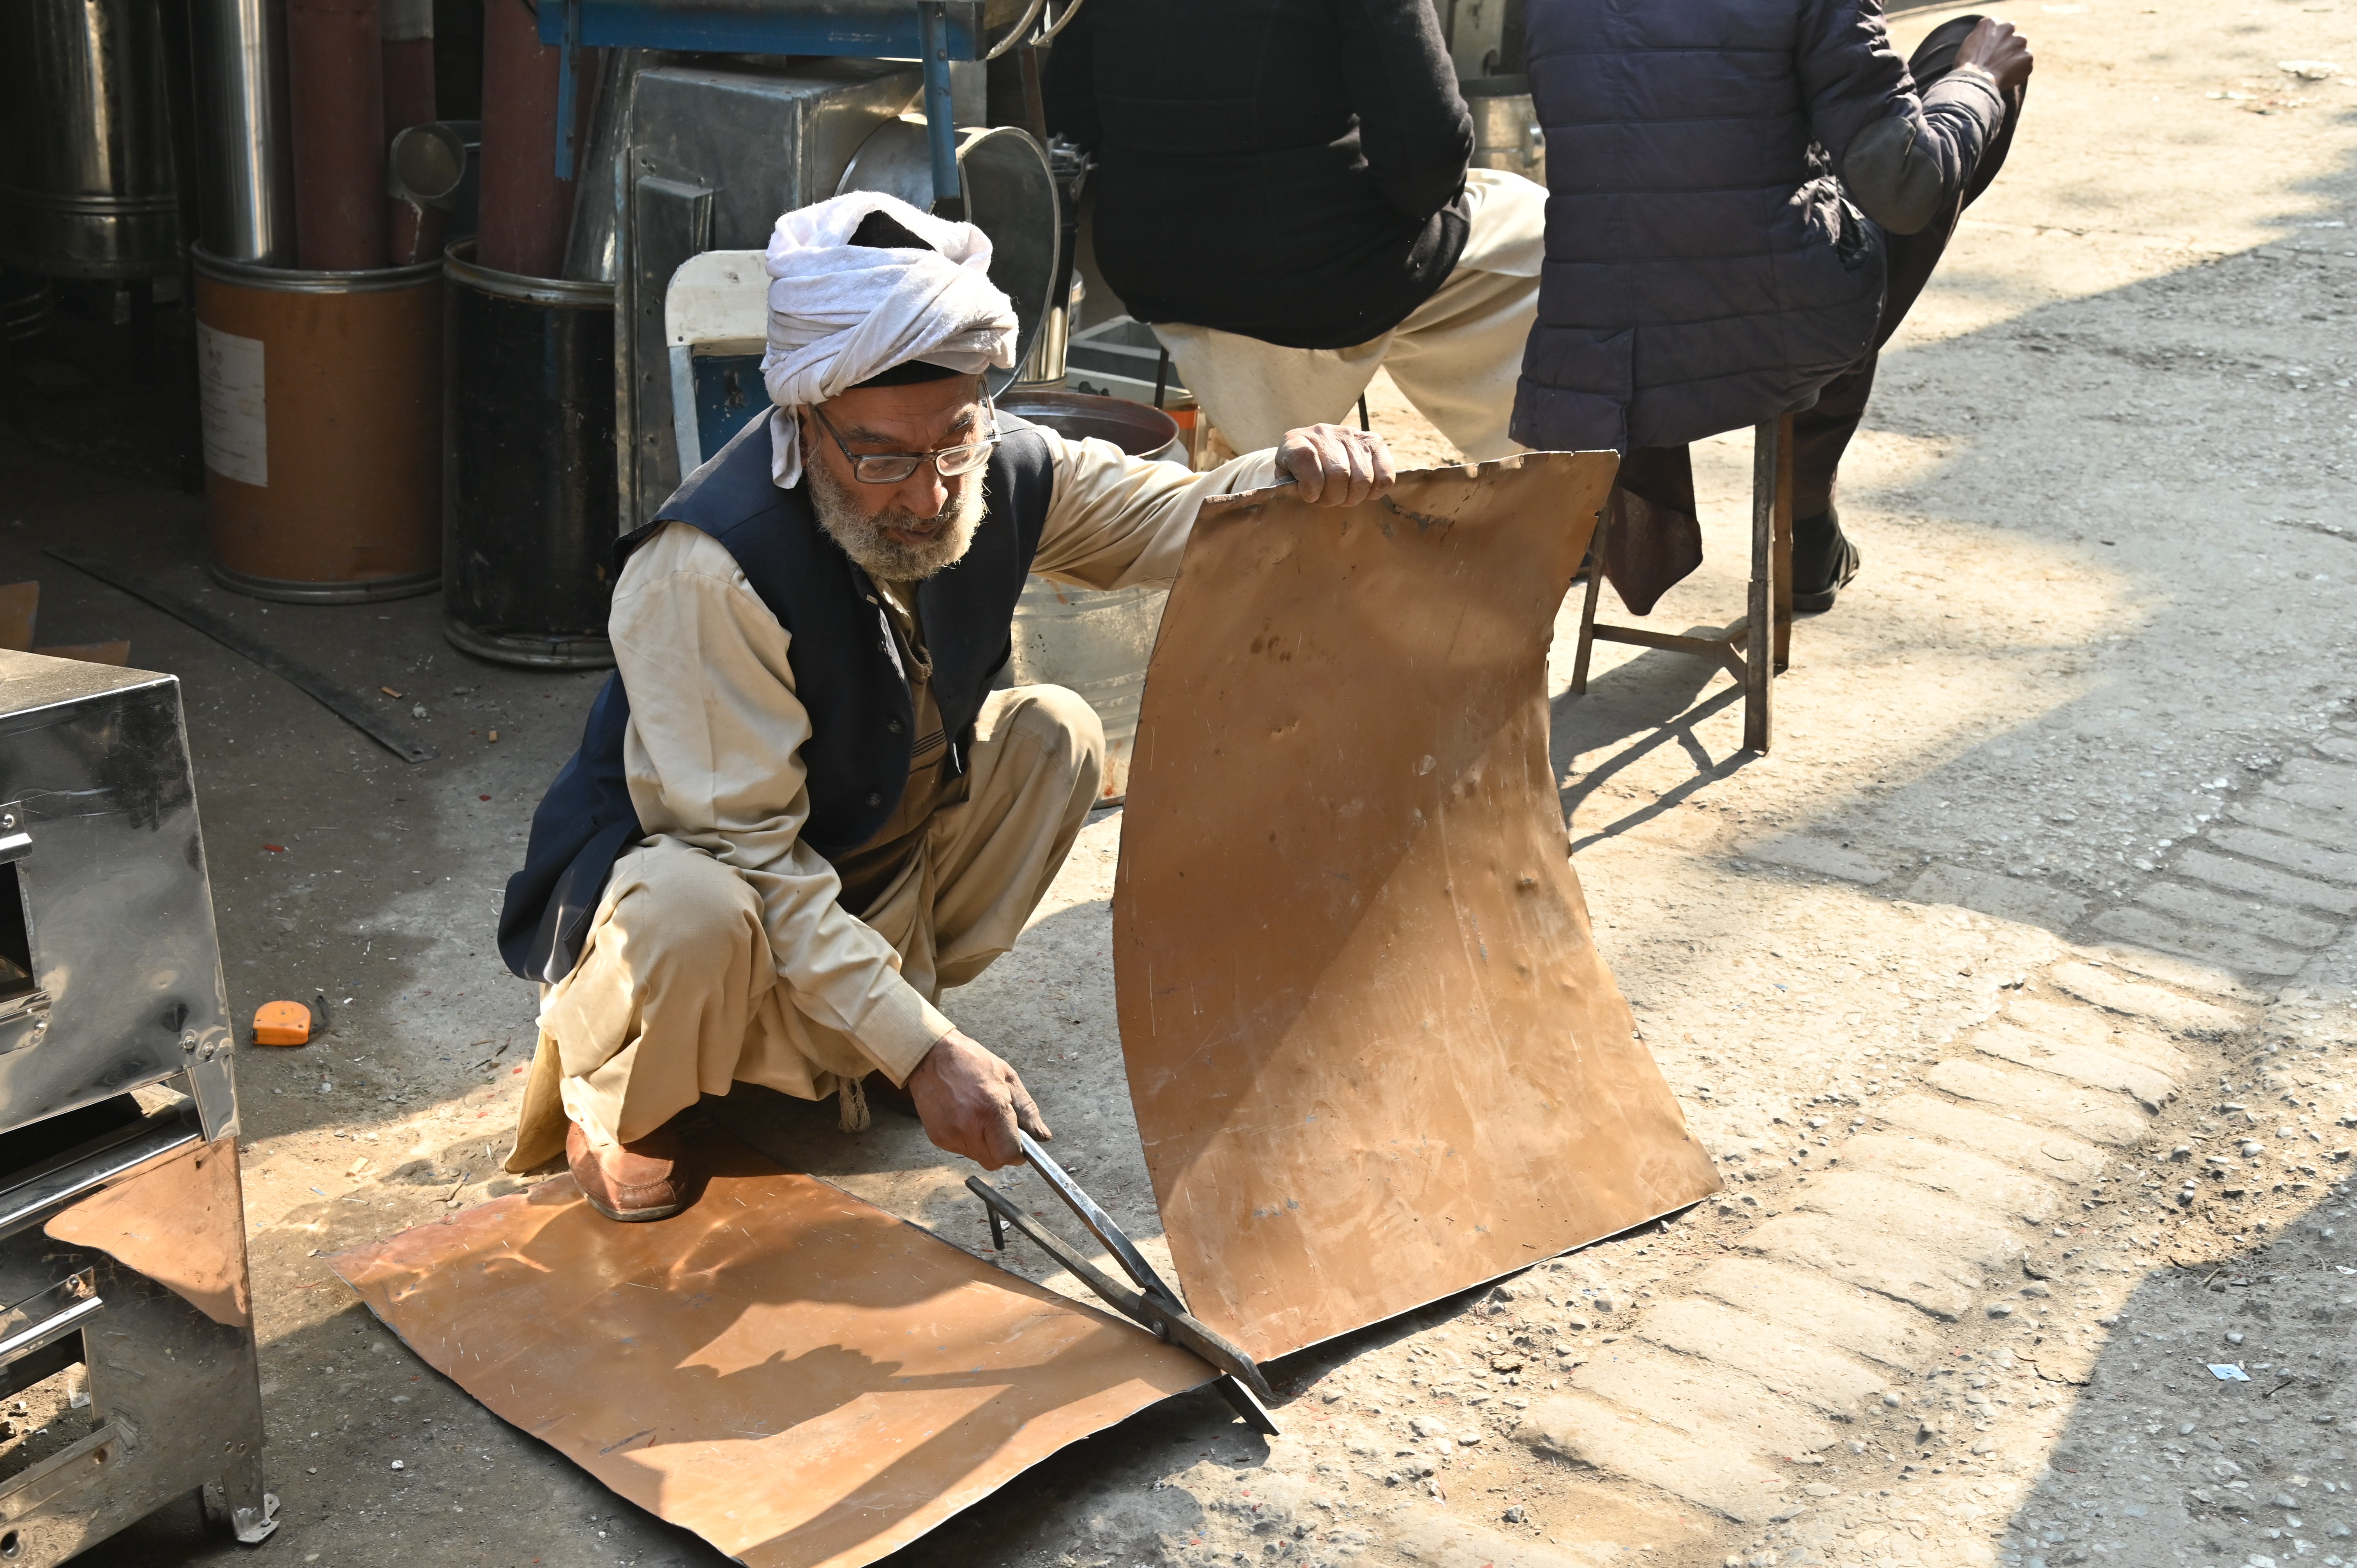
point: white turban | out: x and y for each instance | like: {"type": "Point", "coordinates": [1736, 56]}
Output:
{"type": "Point", "coordinates": [840, 312]}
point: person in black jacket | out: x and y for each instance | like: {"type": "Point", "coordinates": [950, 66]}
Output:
{"type": "Point", "coordinates": [1748, 196]}
{"type": "Point", "coordinates": [1282, 190]}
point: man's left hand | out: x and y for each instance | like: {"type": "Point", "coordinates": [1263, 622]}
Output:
{"type": "Point", "coordinates": [1334, 464]}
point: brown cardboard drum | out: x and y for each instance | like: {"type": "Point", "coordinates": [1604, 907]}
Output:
{"type": "Point", "coordinates": [321, 395]}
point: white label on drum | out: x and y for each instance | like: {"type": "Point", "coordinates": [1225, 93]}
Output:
{"type": "Point", "coordinates": [236, 420]}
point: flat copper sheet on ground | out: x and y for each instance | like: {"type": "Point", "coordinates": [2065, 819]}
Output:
{"type": "Point", "coordinates": [796, 1376]}
{"type": "Point", "coordinates": [1374, 1053]}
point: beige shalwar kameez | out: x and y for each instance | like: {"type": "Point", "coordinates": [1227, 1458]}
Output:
{"type": "Point", "coordinates": [721, 951]}
{"type": "Point", "coordinates": [1456, 357]}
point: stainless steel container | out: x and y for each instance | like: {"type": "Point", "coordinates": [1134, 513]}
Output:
{"type": "Point", "coordinates": [244, 161]}
{"type": "Point", "coordinates": [89, 184]}
{"type": "Point", "coordinates": [1045, 365]}
{"type": "Point", "coordinates": [1095, 644]}
{"type": "Point", "coordinates": [122, 1226]}
{"type": "Point", "coordinates": [1506, 131]}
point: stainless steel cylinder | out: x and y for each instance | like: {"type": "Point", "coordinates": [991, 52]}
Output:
{"type": "Point", "coordinates": [1044, 366]}
{"type": "Point", "coordinates": [244, 163]}
{"type": "Point", "coordinates": [1506, 131]}
{"type": "Point", "coordinates": [88, 183]}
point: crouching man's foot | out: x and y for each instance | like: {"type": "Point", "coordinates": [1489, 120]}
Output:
{"type": "Point", "coordinates": [648, 1180]}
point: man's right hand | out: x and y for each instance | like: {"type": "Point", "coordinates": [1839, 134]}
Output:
{"type": "Point", "coordinates": [971, 1102]}
{"type": "Point", "coordinates": [1997, 49]}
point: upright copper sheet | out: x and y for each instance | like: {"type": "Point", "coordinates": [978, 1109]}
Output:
{"type": "Point", "coordinates": [1374, 1053]}
{"type": "Point", "coordinates": [798, 1377]}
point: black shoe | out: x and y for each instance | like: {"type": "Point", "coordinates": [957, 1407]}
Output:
{"type": "Point", "coordinates": [1823, 561]}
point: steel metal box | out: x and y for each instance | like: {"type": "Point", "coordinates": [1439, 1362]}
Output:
{"type": "Point", "coordinates": [127, 1359]}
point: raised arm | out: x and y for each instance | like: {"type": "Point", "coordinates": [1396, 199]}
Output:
{"type": "Point", "coordinates": [1413, 127]}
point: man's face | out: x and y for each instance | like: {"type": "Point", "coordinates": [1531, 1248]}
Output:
{"type": "Point", "coordinates": [911, 529]}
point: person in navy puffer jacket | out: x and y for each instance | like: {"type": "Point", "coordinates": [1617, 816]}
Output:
{"type": "Point", "coordinates": [1747, 197]}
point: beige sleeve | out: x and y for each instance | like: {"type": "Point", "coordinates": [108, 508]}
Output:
{"type": "Point", "coordinates": [713, 756]}
{"type": "Point", "coordinates": [1118, 521]}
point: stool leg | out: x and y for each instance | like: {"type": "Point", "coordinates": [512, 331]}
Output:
{"type": "Point", "coordinates": [1760, 646]}
{"type": "Point", "coordinates": [1587, 609]}
{"type": "Point", "coordinates": [1783, 544]}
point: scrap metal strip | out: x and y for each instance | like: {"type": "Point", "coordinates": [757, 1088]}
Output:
{"type": "Point", "coordinates": [351, 709]}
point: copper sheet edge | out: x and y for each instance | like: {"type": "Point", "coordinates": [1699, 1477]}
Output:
{"type": "Point", "coordinates": [800, 1378]}
{"type": "Point", "coordinates": [1374, 1054]}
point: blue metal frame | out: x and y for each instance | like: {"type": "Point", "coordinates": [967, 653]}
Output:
{"type": "Point", "coordinates": [934, 32]}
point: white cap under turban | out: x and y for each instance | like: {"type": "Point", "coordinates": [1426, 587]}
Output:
{"type": "Point", "coordinates": [841, 313]}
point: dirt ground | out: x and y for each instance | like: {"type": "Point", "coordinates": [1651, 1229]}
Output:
{"type": "Point", "coordinates": [2032, 735]}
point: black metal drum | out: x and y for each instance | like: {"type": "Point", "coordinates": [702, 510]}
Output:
{"type": "Point", "coordinates": [528, 503]}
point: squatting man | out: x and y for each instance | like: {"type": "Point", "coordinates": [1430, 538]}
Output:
{"type": "Point", "coordinates": [799, 812]}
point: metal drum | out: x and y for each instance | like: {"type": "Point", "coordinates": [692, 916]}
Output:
{"type": "Point", "coordinates": [88, 184]}
{"type": "Point", "coordinates": [321, 397]}
{"type": "Point", "coordinates": [1506, 131]}
{"type": "Point", "coordinates": [1092, 643]}
{"type": "Point", "coordinates": [528, 496]}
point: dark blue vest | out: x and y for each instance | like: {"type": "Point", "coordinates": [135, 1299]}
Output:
{"type": "Point", "coordinates": [846, 669]}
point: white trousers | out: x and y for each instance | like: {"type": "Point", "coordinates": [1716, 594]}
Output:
{"type": "Point", "coordinates": [1456, 358]}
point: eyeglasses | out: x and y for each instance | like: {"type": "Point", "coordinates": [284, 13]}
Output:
{"type": "Point", "coordinates": [891, 467]}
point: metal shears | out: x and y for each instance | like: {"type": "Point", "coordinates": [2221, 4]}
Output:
{"type": "Point", "coordinates": [1154, 1306]}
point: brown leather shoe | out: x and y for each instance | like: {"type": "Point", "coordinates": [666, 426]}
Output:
{"type": "Point", "coordinates": [649, 1179]}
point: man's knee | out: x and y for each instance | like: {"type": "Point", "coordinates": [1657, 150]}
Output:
{"type": "Point", "coordinates": [1058, 725]}
{"type": "Point", "coordinates": [682, 914]}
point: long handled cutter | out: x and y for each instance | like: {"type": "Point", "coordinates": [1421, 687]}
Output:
{"type": "Point", "coordinates": [1154, 1305]}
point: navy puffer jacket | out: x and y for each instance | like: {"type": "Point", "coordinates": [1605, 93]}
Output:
{"type": "Point", "coordinates": [1702, 271]}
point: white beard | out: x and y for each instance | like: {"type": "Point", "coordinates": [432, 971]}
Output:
{"type": "Point", "coordinates": [862, 536]}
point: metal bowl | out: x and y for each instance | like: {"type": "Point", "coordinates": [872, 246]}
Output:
{"type": "Point", "coordinates": [1137, 429]}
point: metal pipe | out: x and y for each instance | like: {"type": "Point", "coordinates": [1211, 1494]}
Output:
{"type": "Point", "coordinates": [414, 229]}
{"type": "Point", "coordinates": [335, 55]}
{"type": "Point", "coordinates": [940, 123]}
{"type": "Point", "coordinates": [527, 211]}
{"type": "Point", "coordinates": [1048, 34]}
{"type": "Point", "coordinates": [589, 249]}
{"type": "Point", "coordinates": [1014, 36]}
{"type": "Point", "coordinates": [244, 154]}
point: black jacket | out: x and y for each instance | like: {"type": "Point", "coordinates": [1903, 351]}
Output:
{"type": "Point", "coordinates": [846, 673]}
{"type": "Point", "coordinates": [1291, 170]}
{"type": "Point", "coordinates": [1703, 270]}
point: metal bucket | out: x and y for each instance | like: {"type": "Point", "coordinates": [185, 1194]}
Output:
{"type": "Point", "coordinates": [528, 496]}
{"type": "Point", "coordinates": [321, 397]}
{"type": "Point", "coordinates": [1506, 131]}
{"type": "Point", "coordinates": [1095, 644]}
{"type": "Point", "coordinates": [89, 185]}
